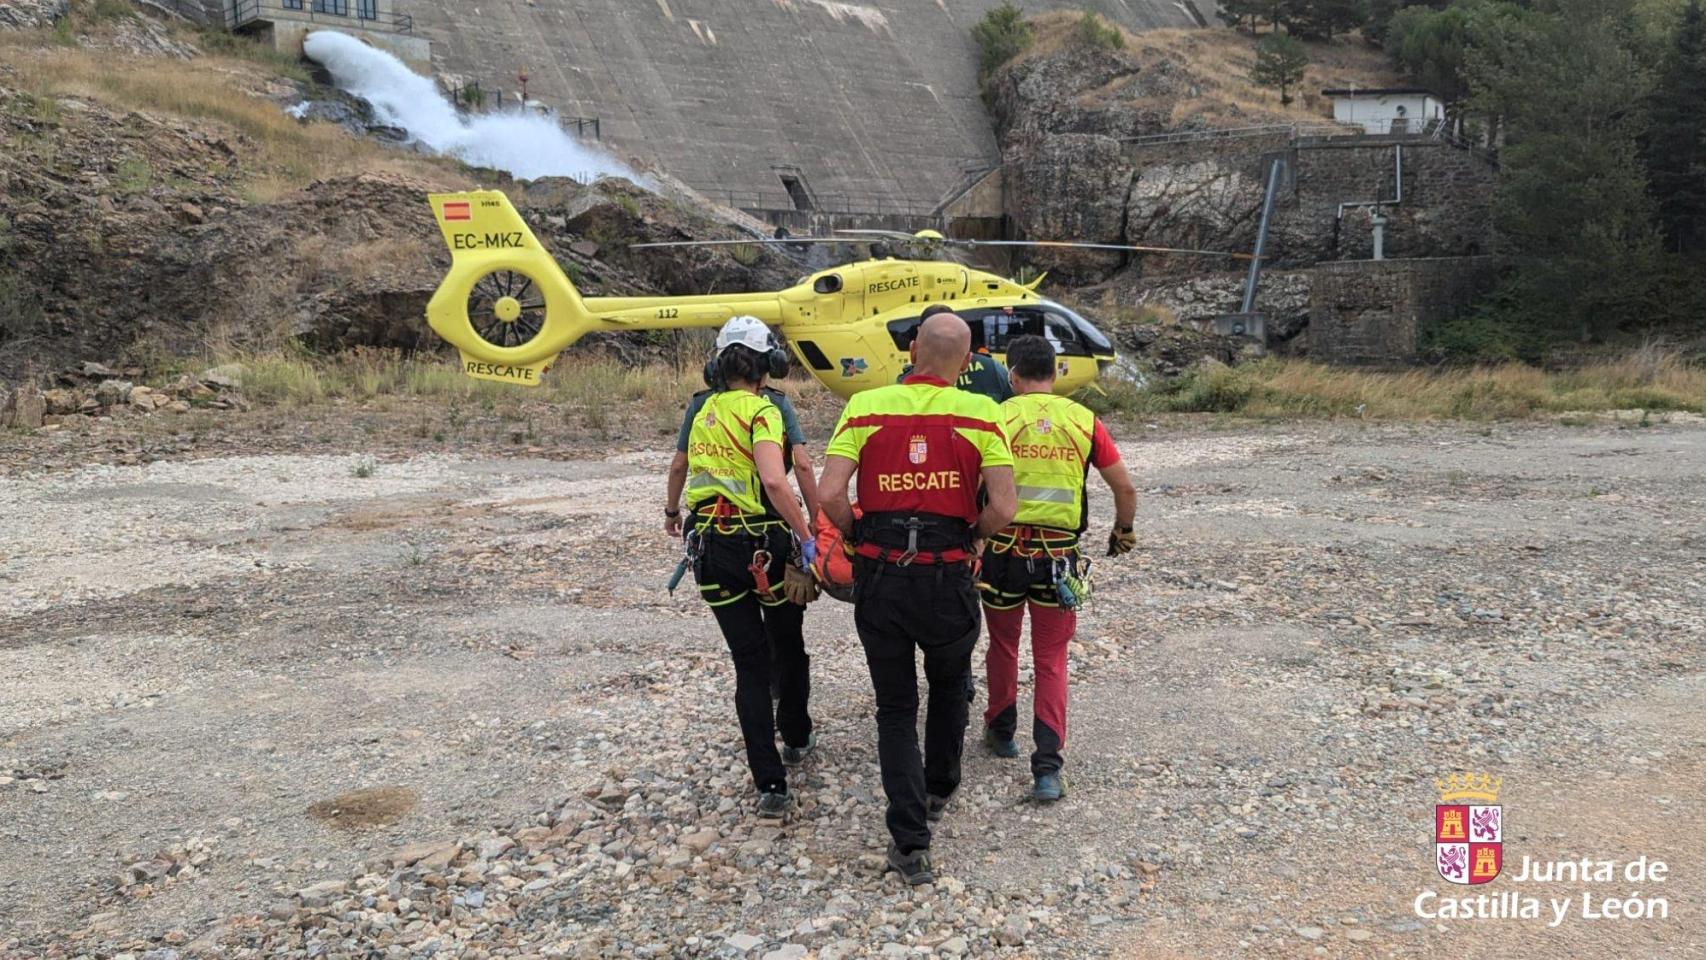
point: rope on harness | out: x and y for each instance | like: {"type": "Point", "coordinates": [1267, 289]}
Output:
{"type": "Point", "coordinates": [1030, 543]}
{"type": "Point", "coordinates": [726, 519]}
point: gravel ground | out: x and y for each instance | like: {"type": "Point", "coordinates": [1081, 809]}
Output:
{"type": "Point", "coordinates": [318, 695]}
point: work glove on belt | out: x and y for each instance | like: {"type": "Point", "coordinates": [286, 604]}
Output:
{"type": "Point", "coordinates": [1121, 541]}
{"type": "Point", "coordinates": [798, 585]}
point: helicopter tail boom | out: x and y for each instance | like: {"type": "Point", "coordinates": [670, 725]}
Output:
{"type": "Point", "coordinates": [675, 313]}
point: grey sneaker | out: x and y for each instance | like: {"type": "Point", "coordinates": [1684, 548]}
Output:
{"type": "Point", "coordinates": [794, 756]}
{"type": "Point", "coordinates": [1048, 788]}
{"type": "Point", "coordinates": [913, 867]}
{"type": "Point", "coordinates": [934, 807]}
{"type": "Point", "coordinates": [999, 745]}
{"type": "Point", "coordinates": [775, 806]}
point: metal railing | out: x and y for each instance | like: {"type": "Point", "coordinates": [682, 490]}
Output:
{"type": "Point", "coordinates": [781, 202]}
{"type": "Point", "coordinates": [580, 125]}
{"type": "Point", "coordinates": [358, 14]}
{"type": "Point", "coordinates": [1292, 130]}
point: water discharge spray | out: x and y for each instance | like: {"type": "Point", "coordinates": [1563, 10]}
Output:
{"type": "Point", "coordinates": [525, 144]}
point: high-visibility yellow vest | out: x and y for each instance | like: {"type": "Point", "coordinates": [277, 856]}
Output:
{"type": "Point", "coordinates": [719, 450]}
{"type": "Point", "coordinates": [1050, 437]}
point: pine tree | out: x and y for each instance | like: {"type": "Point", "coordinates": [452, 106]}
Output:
{"type": "Point", "coordinates": [1322, 19]}
{"type": "Point", "coordinates": [1280, 61]}
{"type": "Point", "coordinates": [1572, 207]}
{"type": "Point", "coordinates": [1236, 13]}
{"type": "Point", "coordinates": [1674, 148]}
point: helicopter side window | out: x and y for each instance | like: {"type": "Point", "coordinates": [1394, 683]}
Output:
{"type": "Point", "coordinates": [904, 331]}
{"type": "Point", "coordinates": [994, 327]}
{"type": "Point", "coordinates": [828, 283]}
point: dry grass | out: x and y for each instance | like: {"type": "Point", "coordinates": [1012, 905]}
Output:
{"type": "Point", "coordinates": [1220, 60]}
{"type": "Point", "coordinates": [1648, 380]}
{"type": "Point", "coordinates": [594, 393]}
{"type": "Point", "coordinates": [279, 152]}
{"type": "Point", "coordinates": [589, 391]}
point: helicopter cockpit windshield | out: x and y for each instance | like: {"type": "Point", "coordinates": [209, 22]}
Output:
{"type": "Point", "coordinates": [992, 328]}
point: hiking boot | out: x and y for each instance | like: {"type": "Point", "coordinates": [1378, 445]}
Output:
{"type": "Point", "coordinates": [999, 745]}
{"type": "Point", "coordinates": [934, 807]}
{"type": "Point", "coordinates": [913, 867]}
{"type": "Point", "coordinates": [1048, 788]}
{"type": "Point", "coordinates": [794, 756]}
{"type": "Point", "coordinates": [775, 806]}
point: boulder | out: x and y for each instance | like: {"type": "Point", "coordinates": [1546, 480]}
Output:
{"type": "Point", "coordinates": [62, 401]}
{"type": "Point", "coordinates": [112, 393]}
{"type": "Point", "coordinates": [23, 407]}
{"type": "Point", "coordinates": [227, 376]}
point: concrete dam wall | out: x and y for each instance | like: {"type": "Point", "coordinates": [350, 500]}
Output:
{"type": "Point", "coordinates": [871, 106]}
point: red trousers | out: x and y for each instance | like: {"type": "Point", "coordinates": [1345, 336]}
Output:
{"type": "Point", "coordinates": [1051, 630]}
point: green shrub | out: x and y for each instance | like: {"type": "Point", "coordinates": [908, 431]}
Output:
{"type": "Point", "coordinates": [1001, 35]}
{"type": "Point", "coordinates": [1093, 31]}
{"type": "Point", "coordinates": [1218, 389]}
{"type": "Point", "coordinates": [1471, 338]}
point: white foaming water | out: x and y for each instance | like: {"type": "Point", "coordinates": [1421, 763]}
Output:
{"type": "Point", "coordinates": [525, 144]}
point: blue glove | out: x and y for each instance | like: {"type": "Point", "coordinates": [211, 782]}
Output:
{"type": "Point", "coordinates": [808, 554]}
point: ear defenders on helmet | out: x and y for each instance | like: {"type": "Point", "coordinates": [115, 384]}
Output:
{"type": "Point", "coordinates": [776, 357]}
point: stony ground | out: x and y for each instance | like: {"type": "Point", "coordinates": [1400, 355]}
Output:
{"type": "Point", "coordinates": [315, 692]}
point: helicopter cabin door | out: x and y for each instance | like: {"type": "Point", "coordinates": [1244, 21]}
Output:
{"type": "Point", "coordinates": [836, 297]}
{"type": "Point", "coordinates": [992, 328]}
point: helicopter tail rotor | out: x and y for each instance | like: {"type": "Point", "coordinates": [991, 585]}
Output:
{"type": "Point", "coordinates": [504, 304]}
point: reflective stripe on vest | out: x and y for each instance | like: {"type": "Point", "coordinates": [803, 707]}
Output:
{"type": "Point", "coordinates": [1047, 494]}
{"type": "Point", "coordinates": [719, 451]}
{"type": "Point", "coordinates": [703, 480]}
{"type": "Point", "coordinates": [1050, 437]}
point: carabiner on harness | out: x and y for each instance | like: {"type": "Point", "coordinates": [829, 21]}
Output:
{"type": "Point", "coordinates": [910, 554]}
{"type": "Point", "coordinates": [693, 544]}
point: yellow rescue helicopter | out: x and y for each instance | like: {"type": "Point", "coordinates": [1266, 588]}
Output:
{"type": "Point", "coordinates": [510, 310]}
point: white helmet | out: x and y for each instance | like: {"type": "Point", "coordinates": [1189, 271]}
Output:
{"type": "Point", "coordinates": [748, 331]}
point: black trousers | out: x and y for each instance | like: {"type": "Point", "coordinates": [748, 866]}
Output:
{"type": "Point", "coordinates": [898, 612]}
{"type": "Point", "coordinates": [757, 631]}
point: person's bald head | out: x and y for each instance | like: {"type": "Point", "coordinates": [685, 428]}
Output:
{"type": "Point", "coordinates": [943, 346]}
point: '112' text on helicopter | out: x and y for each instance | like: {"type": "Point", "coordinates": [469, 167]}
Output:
{"type": "Point", "coordinates": [510, 310]}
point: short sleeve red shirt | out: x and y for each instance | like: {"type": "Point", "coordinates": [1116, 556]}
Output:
{"type": "Point", "coordinates": [1103, 452]}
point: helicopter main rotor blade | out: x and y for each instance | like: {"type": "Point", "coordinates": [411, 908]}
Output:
{"type": "Point", "coordinates": [738, 243]}
{"type": "Point", "coordinates": [885, 234]}
{"type": "Point", "coordinates": [1072, 244]}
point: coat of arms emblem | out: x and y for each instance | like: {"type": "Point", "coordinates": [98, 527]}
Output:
{"type": "Point", "coordinates": [1045, 425]}
{"type": "Point", "coordinates": [917, 450]}
{"type": "Point", "coordinates": [1468, 828]}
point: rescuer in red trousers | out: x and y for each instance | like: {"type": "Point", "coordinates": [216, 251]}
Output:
{"type": "Point", "coordinates": [1035, 562]}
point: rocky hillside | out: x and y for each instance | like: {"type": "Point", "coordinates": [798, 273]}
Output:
{"type": "Point", "coordinates": [165, 204]}
{"type": "Point", "coordinates": [1065, 112]}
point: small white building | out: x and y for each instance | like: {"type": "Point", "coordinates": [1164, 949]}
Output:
{"type": "Point", "coordinates": [1387, 109]}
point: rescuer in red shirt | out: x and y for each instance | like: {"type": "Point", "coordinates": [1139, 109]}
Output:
{"type": "Point", "coordinates": [1035, 562]}
{"type": "Point", "coordinates": [921, 447]}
